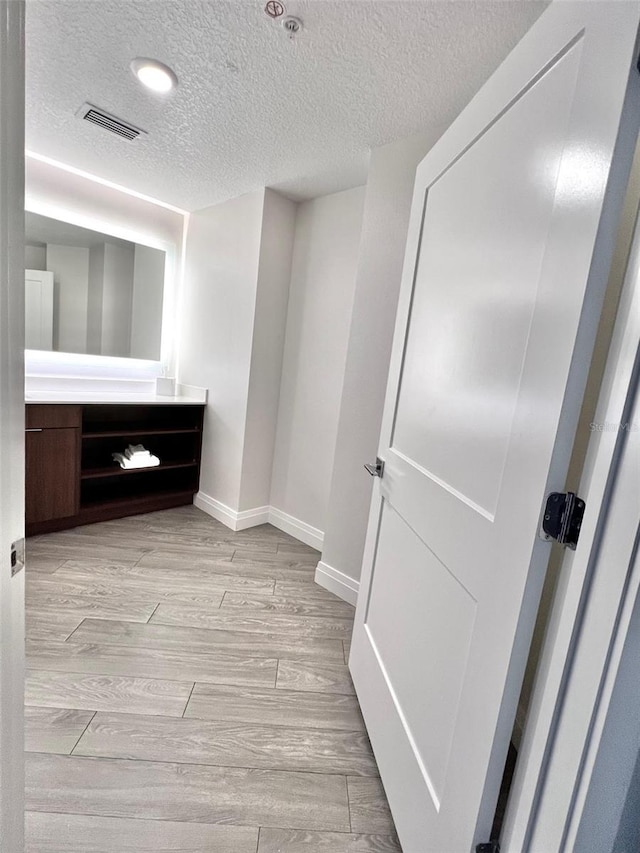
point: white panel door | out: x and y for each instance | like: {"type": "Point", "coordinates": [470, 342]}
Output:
{"type": "Point", "coordinates": [38, 309]}
{"type": "Point", "coordinates": [510, 240]}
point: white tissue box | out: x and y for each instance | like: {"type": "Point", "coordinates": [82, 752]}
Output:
{"type": "Point", "coordinates": [165, 386]}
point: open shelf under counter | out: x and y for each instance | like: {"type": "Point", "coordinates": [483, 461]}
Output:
{"type": "Point", "coordinates": [137, 433]}
{"type": "Point", "coordinates": [116, 471]}
{"type": "Point", "coordinates": [105, 510]}
{"type": "Point", "coordinates": [98, 488]}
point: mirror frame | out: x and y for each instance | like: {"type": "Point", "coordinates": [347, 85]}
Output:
{"type": "Point", "coordinates": [139, 368]}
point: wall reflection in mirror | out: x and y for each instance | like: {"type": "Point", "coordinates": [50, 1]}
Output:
{"type": "Point", "coordinates": [87, 292]}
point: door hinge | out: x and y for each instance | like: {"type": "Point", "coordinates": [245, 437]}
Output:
{"type": "Point", "coordinates": [376, 470]}
{"type": "Point", "coordinates": [562, 518]}
{"type": "Point", "coordinates": [491, 847]}
{"type": "Point", "coordinates": [17, 556]}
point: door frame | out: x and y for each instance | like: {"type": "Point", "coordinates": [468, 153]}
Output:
{"type": "Point", "coordinates": [590, 620]}
{"type": "Point", "coordinates": [11, 421]}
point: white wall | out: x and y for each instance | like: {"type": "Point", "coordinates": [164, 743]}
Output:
{"type": "Point", "coordinates": [117, 295]}
{"type": "Point", "coordinates": [327, 241]}
{"type": "Point", "coordinates": [94, 300]}
{"type": "Point", "coordinates": [237, 271]}
{"type": "Point", "coordinates": [221, 272]}
{"type": "Point", "coordinates": [35, 257]}
{"type": "Point", "coordinates": [384, 232]}
{"type": "Point", "coordinates": [146, 312]}
{"type": "Point", "coordinates": [71, 292]}
{"type": "Point", "coordinates": [270, 319]}
{"type": "Point", "coordinates": [628, 834]}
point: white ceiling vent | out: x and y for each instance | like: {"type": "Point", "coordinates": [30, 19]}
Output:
{"type": "Point", "coordinates": [109, 122]}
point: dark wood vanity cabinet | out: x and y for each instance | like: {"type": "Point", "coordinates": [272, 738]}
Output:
{"type": "Point", "coordinates": [71, 478]}
{"type": "Point", "coordinates": [52, 448]}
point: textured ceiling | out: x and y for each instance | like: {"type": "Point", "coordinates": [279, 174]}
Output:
{"type": "Point", "coordinates": [255, 107]}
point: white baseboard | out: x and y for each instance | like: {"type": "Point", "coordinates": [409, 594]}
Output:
{"type": "Point", "coordinates": [252, 517]}
{"type": "Point", "coordinates": [234, 520]}
{"type": "Point", "coordinates": [326, 576]}
{"type": "Point", "coordinates": [337, 582]}
{"type": "Point", "coordinates": [295, 527]}
{"type": "Point", "coordinates": [260, 515]}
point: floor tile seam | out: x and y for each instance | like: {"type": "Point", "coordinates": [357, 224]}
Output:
{"type": "Point", "coordinates": [346, 785]}
{"type": "Point", "coordinates": [32, 670]}
{"type": "Point", "coordinates": [141, 819]}
{"type": "Point", "coordinates": [337, 775]}
{"type": "Point", "coordinates": [224, 628]}
{"type": "Point", "coordinates": [255, 826]}
{"type": "Point", "coordinates": [216, 630]}
{"type": "Point", "coordinates": [37, 611]}
{"type": "Point", "coordinates": [317, 692]}
{"type": "Point", "coordinates": [84, 730]}
{"type": "Point", "coordinates": [219, 766]}
{"type": "Point", "coordinates": [252, 613]}
{"type": "Point", "coordinates": [148, 819]}
{"type": "Point", "coordinates": [184, 710]}
{"type": "Point", "coordinates": [312, 655]}
{"type": "Point", "coordinates": [155, 609]}
{"type": "Point", "coordinates": [383, 836]}
{"type": "Point", "coordinates": [331, 730]}
{"type": "Point", "coordinates": [230, 654]}
{"type": "Point", "coordinates": [162, 678]}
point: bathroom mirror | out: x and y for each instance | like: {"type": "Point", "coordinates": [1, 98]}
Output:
{"type": "Point", "coordinates": [89, 292]}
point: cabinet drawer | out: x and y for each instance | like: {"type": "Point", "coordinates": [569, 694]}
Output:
{"type": "Point", "coordinates": [52, 417]}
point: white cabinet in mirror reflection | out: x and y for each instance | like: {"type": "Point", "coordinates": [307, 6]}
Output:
{"type": "Point", "coordinates": [38, 309]}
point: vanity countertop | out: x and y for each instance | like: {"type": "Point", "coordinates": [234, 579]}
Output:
{"type": "Point", "coordinates": [87, 398]}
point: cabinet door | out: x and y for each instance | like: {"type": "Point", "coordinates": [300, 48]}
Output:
{"type": "Point", "coordinates": [52, 475]}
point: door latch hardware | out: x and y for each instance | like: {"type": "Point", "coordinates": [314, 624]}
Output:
{"type": "Point", "coordinates": [376, 470]}
{"type": "Point", "coordinates": [17, 556]}
{"type": "Point", "coordinates": [491, 847]}
{"type": "Point", "coordinates": [562, 518]}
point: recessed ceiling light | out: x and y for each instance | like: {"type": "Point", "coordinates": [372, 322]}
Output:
{"type": "Point", "coordinates": [154, 75]}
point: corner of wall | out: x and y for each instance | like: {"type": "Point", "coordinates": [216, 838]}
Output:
{"type": "Point", "coordinates": [337, 582]}
{"type": "Point", "coordinates": [230, 517]}
{"type": "Point", "coordinates": [220, 280]}
{"type": "Point", "coordinates": [297, 528]}
{"type": "Point", "coordinates": [267, 347]}
{"type": "Point", "coordinates": [241, 520]}
{"type": "Point", "coordinates": [327, 237]}
{"type": "Point", "coordinates": [386, 218]}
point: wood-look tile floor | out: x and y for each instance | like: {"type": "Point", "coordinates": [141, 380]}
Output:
{"type": "Point", "coordinates": [187, 690]}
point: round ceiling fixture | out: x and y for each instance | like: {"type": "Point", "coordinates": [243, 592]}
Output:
{"type": "Point", "coordinates": [292, 25]}
{"type": "Point", "coordinates": [274, 8]}
{"type": "Point", "coordinates": [154, 75]}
